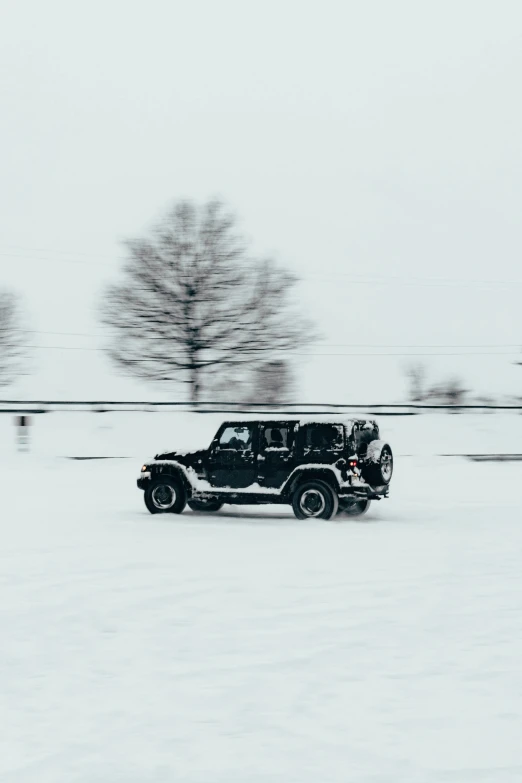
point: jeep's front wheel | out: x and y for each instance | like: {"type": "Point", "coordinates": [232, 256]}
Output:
{"type": "Point", "coordinates": [354, 509]}
{"type": "Point", "coordinates": [205, 505]}
{"type": "Point", "coordinates": [315, 499]}
{"type": "Point", "coordinates": [165, 494]}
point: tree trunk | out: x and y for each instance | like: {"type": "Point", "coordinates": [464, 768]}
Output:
{"type": "Point", "coordinates": [194, 385]}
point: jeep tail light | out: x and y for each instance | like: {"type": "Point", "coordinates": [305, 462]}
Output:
{"type": "Point", "coordinates": [353, 463]}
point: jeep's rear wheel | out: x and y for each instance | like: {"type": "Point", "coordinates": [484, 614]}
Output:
{"type": "Point", "coordinates": [205, 505]}
{"type": "Point", "coordinates": [165, 494]}
{"type": "Point", "coordinates": [354, 508]}
{"type": "Point", "coordinates": [315, 499]}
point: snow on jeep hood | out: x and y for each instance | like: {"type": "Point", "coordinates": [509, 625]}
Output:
{"type": "Point", "coordinates": [179, 452]}
{"type": "Point", "coordinates": [181, 455]}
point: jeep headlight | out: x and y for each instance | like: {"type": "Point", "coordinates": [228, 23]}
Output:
{"type": "Point", "coordinates": [144, 468]}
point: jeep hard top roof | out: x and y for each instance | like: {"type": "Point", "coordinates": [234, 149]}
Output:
{"type": "Point", "coordinates": [309, 419]}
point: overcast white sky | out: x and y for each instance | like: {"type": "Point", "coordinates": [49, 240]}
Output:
{"type": "Point", "coordinates": [375, 147]}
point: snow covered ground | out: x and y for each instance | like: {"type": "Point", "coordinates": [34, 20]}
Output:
{"type": "Point", "coordinates": [248, 647]}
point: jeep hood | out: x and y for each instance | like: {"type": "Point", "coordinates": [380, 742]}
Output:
{"type": "Point", "coordinates": [187, 458]}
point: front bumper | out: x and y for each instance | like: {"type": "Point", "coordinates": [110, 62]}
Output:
{"type": "Point", "coordinates": [143, 480]}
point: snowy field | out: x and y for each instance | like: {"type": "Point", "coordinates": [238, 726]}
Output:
{"type": "Point", "coordinates": [248, 647]}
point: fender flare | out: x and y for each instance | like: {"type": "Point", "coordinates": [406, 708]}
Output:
{"type": "Point", "coordinates": [172, 468]}
{"type": "Point", "coordinates": [308, 472]}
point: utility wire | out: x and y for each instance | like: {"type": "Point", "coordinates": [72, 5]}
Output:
{"type": "Point", "coordinates": [104, 335]}
{"type": "Point", "coordinates": [289, 353]}
{"type": "Point", "coordinates": [328, 277]}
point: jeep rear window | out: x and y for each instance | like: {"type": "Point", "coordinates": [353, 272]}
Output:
{"type": "Point", "coordinates": [329, 437]}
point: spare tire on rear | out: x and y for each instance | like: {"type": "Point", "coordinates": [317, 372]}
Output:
{"type": "Point", "coordinates": [379, 466]}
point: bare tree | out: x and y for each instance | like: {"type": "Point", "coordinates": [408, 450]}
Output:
{"type": "Point", "coordinates": [12, 351]}
{"type": "Point", "coordinates": [272, 382]}
{"type": "Point", "coordinates": [417, 379]}
{"type": "Point", "coordinates": [193, 302]}
{"type": "Point", "coordinates": [267, 382]}
{"type": "Point", "coordinates": [219, 389]}
{"type": "Point", "coordinates": [450, 392]}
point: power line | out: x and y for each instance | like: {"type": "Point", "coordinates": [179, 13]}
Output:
{"type": "Point", "coordinates": [25, 250]}
{"type": "Point", "coordinates": [408, 279]}
{"type": "Point", "coordinates": [388, 349]}
{"type": "Point", "coordinates": [59, 260]}
{"type": "Point", "coordinates": [290, 353]}
{"type": "Point", "coordinates": [326, 276]}
{"type": "Point", "coordinates": [104, 335]}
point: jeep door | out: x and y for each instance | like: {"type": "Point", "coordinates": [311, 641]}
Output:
{"type": "Point", "coordinates": [232, 455]}
{"type": "Point", "coordinates": [276, 458]}
{"type": "Point", "coordinates": [320, 444]}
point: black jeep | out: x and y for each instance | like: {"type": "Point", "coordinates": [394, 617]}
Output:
{"type": "Point", "coordinates": [321, 468]}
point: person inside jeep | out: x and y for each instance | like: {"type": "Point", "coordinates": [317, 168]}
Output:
{"type": "Point", "coordinates": [276, 438]}
{"type": "Point", "coordinates": [238, 438]}
{"type": "Point", "coordinates": [325, 437]}
{"type": "Point", "coordinates": [317, 439]}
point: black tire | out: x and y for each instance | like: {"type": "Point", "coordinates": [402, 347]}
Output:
{"type": "Point", "coordinates": [315, 499]}
{"type": "Point", "coordinates": [354, 509]}
{"type": "Point", "coordinates": [205, 505]}
{"type": "Point", "coordinates": [379, 474]}
{"type": "Point", "coordinates": [165, 495]}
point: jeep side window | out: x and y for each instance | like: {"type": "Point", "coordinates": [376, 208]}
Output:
{"type": "Point", "coordinates": [236, 438]}
{"type": "Point", "coordinates": [328, 437]}
{"type": "Point", "coordinates": [275, 439]}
